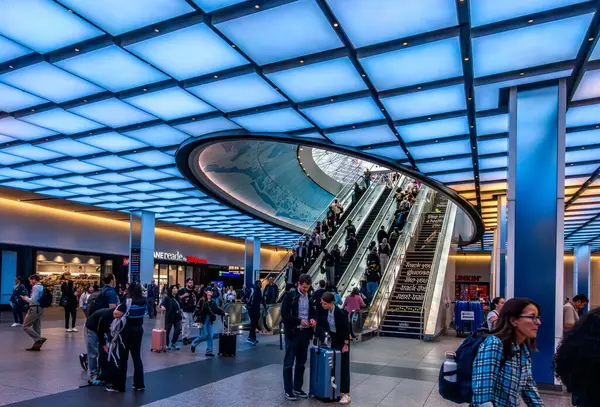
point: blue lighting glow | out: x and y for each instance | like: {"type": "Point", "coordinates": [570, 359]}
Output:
{"type": "Point", "coordinates": [111, 198]}
{"type": "Point", "coordinates": [446, 165]}
{"type": "Point", "coordinates": [146, 175]}
{"type": "Point", "coordinates": [5, 139]}
{"type": "Point", "coordinates": [274, 121]}
{"type": "Point", "coordinates": [113, 189]}
{"type": "Point", "coordinates": [343, 113]}
{"type": "Point", "coordinates": [582, 155]}
{"type": "Point", "coordinates": [31, 152]}
{"type": "Point", "coordinates": [363, 137]}
{"type": "Point", "coordinates": [43, 25]}
{"type": "Point", "coordinates": [49, 82]}
{"type": "Point", "coordinates": [315, 81]}
{"type": "Point", "coordinates": [434, 129]}
{"type": "Point", "coordinates": [151, 158]}
{"type": "Point", "coordinates": [370, 22]}
{"type": "Point", "coordinates": [440, 149]}
{"type": "Point", "coordinates": [170, 104]}
{"type": "Point", "coordinates": [112, 112]}
{"type": "Point", "coordinates": [112, 162]}
{"type": "Point", "coordinates": [492, 146]}
{"type": "Point", "coordinates": [495, 162]}
{"type": "Point", "coordinates": [18, 174]}
{"type": "Point", "coordinates": [112, 68]}
{"type": "Point", "coordinates": [81, 180]}
{"type": "Point", "coordinates": [490, 11]}
{"type": "Point", "coordinates": [70, 147]}
{"type": "Point", "coordinates": [169, 194]}
{"type": "Point", "coordinates": [189, 52]}
{"type": "Point", "coordinates": [23, 131]}
{"type": "Point", "coordinates": [428, 102]}
{"type": "Point", "coordinates": [493, 176]}
{"type": "Point", "coordinates": [571, 170]}
{"type": "Point", "coordinates": [415, 65]}
{"type": "Point", "coordinates": [138, 196]}
{"type": "Point", "coordinates": [212, 5]}
{"type": "Point", "coordinates": [41, 169]}
{"type": "Point", "coordinates": [576, 116]}
{"type": "Point", "coordinates": [118, 17]}
{"type": "Point", "coordinates": [288, 31]}
{"type": "Point", "coordinates": [583, 138]}
{"type": "Point", "coordinates": [492, 124]}
{"type": "Point", "coordinates": [12, 99]}
{"type": "Point", "coordinates": [53, 183]}
{"type": "Point", "coordinates": [76, 166]}
{"type": "Point", "coordinates": [113, 142]}
{"type": "Point", "coordinates": [589, 86]}
{"type": "Point", "coordinates": [199, 128]}
{"type": "Point", "coordinates": [21, 185]}
{"type": "Point", "coordinates": [454, 177]}
{"type": "Point", "coordinates": [11, 50]}
{"type": "Point", "coordinates": [238, 93]}
{"type": "Point", "coordinates": [7, 159]}
{"type": "Point", "coordinates": [540, 44]}
{"type": "Point", "coordinates": [158, 136]}
{"type": "Point", "coordinates": [61, 121]}
{"type": "Point", "coordinates": [175, 184]}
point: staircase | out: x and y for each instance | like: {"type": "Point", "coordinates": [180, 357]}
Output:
{"type": "Point", "coordinates": [404, 317]}
{"type": "Point", "coordinates": [360, 234]}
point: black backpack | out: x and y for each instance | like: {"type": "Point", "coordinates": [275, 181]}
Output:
{"type": "Point", "coordinates": [94, 303]}
{"type": "Point", "coordinates": [45, 300]}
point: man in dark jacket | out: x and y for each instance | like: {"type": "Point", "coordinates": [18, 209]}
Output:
{"type": "Point", "coordinates": [291, 276]}
{"type": "Point", "coordinates": [151, 297]}
{"type": "Point", "coordinates": [188, 305]}
{"type": "Point", "coordinates": [350, 228]}
{"type": "Point", "coordinates": [382, 234]}
{"type": "Point", "coordinates": [254, 299]}
{"type": "Point", "coordinates": [328, 263]}
{"type": "Point", "coordinates": [316, 298]}
{"type": "Point", "coordinates": [98, 327]}
{"type": "Point", "coordinates": [351, 244]}
{"type": "Point", "coordinates": [298, 317]}
{"type": "Point", "coordinates": [271, 292]}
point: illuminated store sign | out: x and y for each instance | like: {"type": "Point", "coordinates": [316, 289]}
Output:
{"type": "Point", "coordinates": [192, 259]}
{"type": "Point", "coordinates": [170, 256]}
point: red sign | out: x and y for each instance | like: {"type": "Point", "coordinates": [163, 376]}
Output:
{"type": "Point", "coordinates": [125, 261]}
{"type": "Point", "coordinates": [469, 279]}
{"type": "Point", "coordinates": [196, 260]}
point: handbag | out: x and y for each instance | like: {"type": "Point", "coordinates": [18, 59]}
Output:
{"type": "Point", "coordinates": [63, 301]}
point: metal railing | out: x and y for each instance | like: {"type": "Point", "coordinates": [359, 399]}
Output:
{"type": "Point", "coordinates": [386, 287]}
{"type": "Point", "coordinates": [385, 217]}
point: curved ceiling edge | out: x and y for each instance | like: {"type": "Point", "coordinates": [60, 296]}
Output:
{"type": "Point", "coordinates": [189, 151]}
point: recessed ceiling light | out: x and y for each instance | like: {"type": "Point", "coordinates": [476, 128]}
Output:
{"type": "Point", "coordinates": [70, 11]}
{"type": "Point", "coordinates": [363, 75]}
{"type": "Point", "coordinates": [405, 43]}
{"type": "Point", "coordinates": [466, 59]}
{"type": "Point", "coordinates": [76, 49]}
{"type": "Point", "coordinates": [436, 141]}
{"type": "Point", "coordinates": [419, 88]}
{"type": "Point", "coordinates": [470, 98]}
{"type": "Point", "coordinates": [215, 76]}
{"type": "Point", "coordinates": [257, 6]}
{"type": "Point", "coordinates": [84, 100]}
{"type": "Point", "coordinates": [232, 45]}
{"type": "Point", "coordinates": [301, 61]}
{"type": "Point", "coordinates": [331, 100]}
{"type": "Point", "coordinates": [429, 118]}
{"type": "Point", "coordinates": [530, 21]}
{"type": "Point", "coordinates": [522, 73]}
{"type": "Point", "coordinates": [156, 30]}
{"type": "Point", "coordinates": [33, 110]}
{"type": "Point", "coordinates": [145, 90]}
{"type": "Point", "coordinates": [335, 24]}
{"type": "Point", "coordinates": [591, 38]}
{"type": "Point", "coordinates": [472, 126]}
{"type": "Point", "coordinates": [11, 67]}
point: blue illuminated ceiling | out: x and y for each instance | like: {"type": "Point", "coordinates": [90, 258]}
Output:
{"type": "Point", "coordinates": [96, 97]}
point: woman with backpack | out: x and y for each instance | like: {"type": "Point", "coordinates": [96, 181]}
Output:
{"type": "Point", "coordinates": [68, 301]}
{"type": "Point", "coordinates": [206, 314]}
{"type": "Point", "coordinates": [133, 309]}
{"type": "Point", "coordinates": [173, 315]}
{"type": "Point", "coordinates": [496, 307]}
{"type": "Point", "coordinates": [502, 368]}
{"type": "Point", "coordinates": [577, 360]}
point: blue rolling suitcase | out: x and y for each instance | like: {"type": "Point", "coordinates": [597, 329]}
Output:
{"type": "Point", "coordinates": [325, 373]}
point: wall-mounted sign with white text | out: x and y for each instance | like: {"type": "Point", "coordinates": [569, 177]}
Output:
{"type": "Point", "coordinates": [170, 256]}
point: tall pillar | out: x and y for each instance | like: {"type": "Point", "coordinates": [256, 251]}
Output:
{"type": "Point", "coordinates": [141, 246]}
{"type": "Point", "coordinates": [251, 261]}
{"type": "Point", "coordinates": [499, 255]}
{"type": "Point", "coordinates": [581, 271]}
{"type": "Point", "coordinates": [536, 182]}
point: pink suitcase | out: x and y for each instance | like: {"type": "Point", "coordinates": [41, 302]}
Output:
{"type": "Point", "coordinates": [159, 340]}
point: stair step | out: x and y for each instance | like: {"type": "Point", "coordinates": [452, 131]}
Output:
{"type": "Point", "coordinates": [400, 334]}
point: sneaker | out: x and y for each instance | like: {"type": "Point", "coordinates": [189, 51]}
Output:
{"type": "Point", "coordinates": [193, 349]}
{"type": "Point", "coordinates": [42, 342]}
{"type": "Point", "coordinates": [174, 347]}
{"type": "Point", "coordinates": [345, 399]}
{"type": "Point", "coordinates": [112, 389]}
{"type": "Point", "coordinates": [74, 330]}
{"type": "Point", "coordinates": [138, 388]}
{"type": "Point", "coordinates": [255, 343]}
{"type": "Point", "coordinates": [301, 394]}
{"type": "Point", "coordinates": [291, 397]}
{"type": "Point", "coordinates": [250, 341]}
{"type": "Point", "coordinates": [33, 349]}
{"type": "Point", "coordinates": [13, 325]}
{"type": "Point", "coordinates": [186, 341]}
{"type": "Point", "coordinates": [209, 355]}
{"type": "Point", "coordinates": [68, 330]}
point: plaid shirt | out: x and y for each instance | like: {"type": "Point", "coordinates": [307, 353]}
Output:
{"type": "Point", "coordinates": [501, 383]}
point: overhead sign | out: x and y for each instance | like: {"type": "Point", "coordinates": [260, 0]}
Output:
{"type": "Point", "coordinates": [170, 256]}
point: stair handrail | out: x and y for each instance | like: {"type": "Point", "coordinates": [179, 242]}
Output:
{"type": "Point", "coordinates": [385, 291]}
{"type": "Point", "coordinates": [367, 201]}
{"type": "Point", "coordinates": [384, 217]}
{"type": "Point", "coordinates": [441, 250]}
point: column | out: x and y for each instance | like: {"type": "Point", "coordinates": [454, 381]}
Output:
{"type": "Point", "coordinates": [499, 254]}
{"type": "Point", "coordinates": [141, 246]}
{"type": "Point", "coordinates": [251, 261]}
{"type": "Point", "coordinates": [581, 271]}
{"type": "Point", "coordinates": [536, 182]}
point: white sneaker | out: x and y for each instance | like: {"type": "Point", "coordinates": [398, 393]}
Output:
{"type": "Point", "coordinates": [74, 330]}
{"type": "Point", "coordinates": [345, 399]}
{"type": "Point", "coordinates": [15, 324]}
{"type": "Point", "coordinates": [68, 330]}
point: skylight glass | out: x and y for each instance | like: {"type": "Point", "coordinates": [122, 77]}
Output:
{"type": "Point", "coordinates": [170, 103]}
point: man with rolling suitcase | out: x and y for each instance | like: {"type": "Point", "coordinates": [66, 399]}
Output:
{"type": "Point", "coordinates": [299, 318]}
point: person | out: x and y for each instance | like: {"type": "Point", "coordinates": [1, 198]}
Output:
{"type": "Point", "coordinates": [97, 326]}
{"type": "Point", "coordinates": [363, 291]}
{"type": "Point", "coordinates": [188, 305]}
{"type": "Point", "coordinates": [357, 193]}
{"type": "Point", "coordinates": [577, 359]}
{"type": "Point", "coordinates": [271, 292]}
{"type": "Point", "coordinates": [16, 303]}
{"type": "Point", "coordinates": [338, 298]}
{"type": "Point", "coordinates": [382, 234]}
{"type": "Point", "coordinates": [334, 321]}
{"type": "Point", "coordinates": [291, 276]}
{"type": "Point", "coordinates": [404, 209]}
{"type": "Point", "coordinates": [350, 228]}
{"type": "Point", "coordinates": [206, 311]}
{"type": "Point", "coordinates": [173, 307]}
{"type": "Point", "coordinates": [231, 295]}
{"type": "Point", "coordinates": [296, 260]}
{"type": "Point", "coordinates": [151, 298]}
{"type": "Point", "coordinates": [68, 301]}
{"type": "Point", "coordinates": [32, 324]}
{"type": "Point", "coordinates": [385, 251]}
{"type": "Point", "coordinates": [298, 317]}
{"type": "Point", "coordinates": [351, 244]}
{"type": "Point", "coordinates": [571, 311]}
{"type": "Point", "coordinates": [372, 281]}
{"type": "Point", "coordinates": [324, 234]}
{"type": "Point", "coordinates": [394, 236]}
{"type": "Point", "coordinates": [373, 258]}
{"type": "Point", "coordinates": [108, 295]}
{"type": "Point", "coordinates": [496, 307]}
{"type": "Point", "coordinates": [353, 302]}
{"type": "Point", "coordinates": [337, 210]}
{"type": "Point", "coordinates": [502, 367]}
{"type": "Point", "coordinates": [254, 300]}
{"type": "Point", "coordinates": [303, 254]}
{"type": "Point", "coordinates": [328, 263]}
{"type": "Point", "coordinates": [367, 176]}
{"type": "Point", "coordinates": [316, 297]}
{"type": "Point", "coordinates": [134, 309]}
{"type": "Point", "coordinates": [337, 257]}
{"type": "Point", "coordinates": [83, 300]}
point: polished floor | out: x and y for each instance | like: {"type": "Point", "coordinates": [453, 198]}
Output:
{"type": "Point", "coordinates": [385, 372]}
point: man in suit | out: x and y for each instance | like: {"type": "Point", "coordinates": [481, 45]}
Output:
{"type": "Point", "coordinates": [291, 276]}
{"type": "Point", "coordinates": [299, 318]}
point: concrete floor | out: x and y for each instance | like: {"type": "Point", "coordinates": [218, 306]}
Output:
{"type": "Point", "coordinates": [385, 372]}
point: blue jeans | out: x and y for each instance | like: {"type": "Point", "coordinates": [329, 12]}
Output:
{"type": "Point", "coordinates": [92, 352]}
{"type": "Point", "coordinates": [207, 335]}
{"type": "Point", "coordinates": [371, 289]}
{"type": "Point", "coordinates": [17, 311]}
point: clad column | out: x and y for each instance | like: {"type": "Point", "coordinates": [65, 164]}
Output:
{"type": "Point", "coordinates": [581, 271]}
{"type": "Point", "coordinates": [536, 182]}
{"type": "Point", "coordinates": [251, 261]}
{"type": "Point", "coordinates": [141, 247]}
{"type": "Point", "coordinates": [499, 254]}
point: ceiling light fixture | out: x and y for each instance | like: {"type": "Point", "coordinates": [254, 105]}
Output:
{"type": "Point", "coordinates": [232, 45]}
{"type": "Point", "coordinates": [257, 6]}
{"type": "Point", "coordinates": [215, 76]}
{"type": "Point", "coordinates": [156, 30]}
{"type": "Point", "coordinates": [405, 43]}
{"type": "Point", "coordinates": [522, 73]}
{"type": "Point", "coordinates": [530, 21]}
{"type": "Point", "coordinates": [10, 66]}
{"type": "Point", "coordinates": [591, 38]}
{"type": "Point", "coordinates": [466, 59]}
{"type": "Point", "coordinates": [335, 24]}
{"type": "Point", "coordinates": [76, 49]}
{"type": "Point", "coordinates": [301, 61]}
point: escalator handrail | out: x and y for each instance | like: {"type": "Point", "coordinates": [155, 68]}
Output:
{"type": "Point", "coordinates": [382, 296]}
{"type": "Point", "coordinates": [385, 215]}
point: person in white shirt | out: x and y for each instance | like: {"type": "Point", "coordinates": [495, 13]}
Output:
{"type": "Point", "coordinates": [496, 307]}
{"type": "Point", "coordinates": [571, 311]}
{"type": "Point", "coordinates": [32, 325]}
